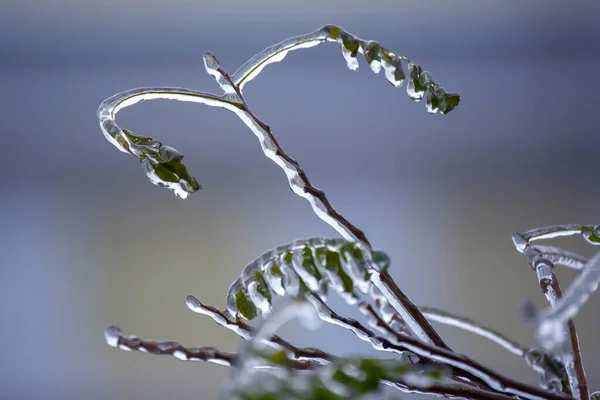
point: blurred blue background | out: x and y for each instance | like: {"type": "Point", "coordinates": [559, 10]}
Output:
{"type": "Point", "coordinates": [87, 241]}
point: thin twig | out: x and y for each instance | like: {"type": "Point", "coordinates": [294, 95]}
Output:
{"type": "Point", "coordinates": [246, 332]}
{"type": "Point", "coordinates": [454, 360]}
{"type": "Point", "coordinates": [571, 352]}
{"type": "Point", "coordinates": [446, 318]}
{"type": "Point", "coordinates": [115, 338]}
{"type": "Point", "coordinates": [320, 357]}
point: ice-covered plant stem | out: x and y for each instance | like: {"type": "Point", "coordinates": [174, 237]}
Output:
{"type": "Point", "coordinates": [304, 272]}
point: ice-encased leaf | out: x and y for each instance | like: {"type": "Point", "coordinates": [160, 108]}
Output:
{"type": "Point", "coordinates": [161, 164]}
{"type": "Point", "coordinates": [554, 377]}
{"type": "Point", "coordinates": [304, 266]}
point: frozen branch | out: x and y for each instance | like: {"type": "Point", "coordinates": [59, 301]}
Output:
{"type": "Point", "coordinates": [446, 318]}
{"type": "Point", "coordinates": [559, 331]}
{"type": "Point", "coordinates": [247, 332]}
{"type": "Point", "coordinates": [405, 343]}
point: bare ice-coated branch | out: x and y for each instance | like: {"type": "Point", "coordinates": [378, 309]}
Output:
{"type": "Point", "coordinates": [554, 334]}
{"type": "Point", "coordinates": [320, 357]}
{"type": "Point", "coordinates": [247, 332]}
{"type": "Point", "coordinates": [471, 369]}
{"type": "Point", "coordinates": [115, 338]}
{"type": "Point", "coordinates": [467, 324]}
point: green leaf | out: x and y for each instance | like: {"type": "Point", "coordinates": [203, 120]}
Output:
{"type": "Point", "coordinates": [263, 286]}
{"type": "Point", "coordinates": [308, 263]}
{"type": "Point", "coordinates": [245, 306]}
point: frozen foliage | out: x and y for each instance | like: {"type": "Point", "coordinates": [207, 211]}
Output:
{"type": "Point", "coordinates": [305, 272]}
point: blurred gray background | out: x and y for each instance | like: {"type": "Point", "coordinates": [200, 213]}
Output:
{"type": "Point", "coordinates": [87, 241]}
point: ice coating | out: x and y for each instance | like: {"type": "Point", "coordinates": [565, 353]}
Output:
{"type": "Point", "coordinates": [251, 355]}
{"type": "Point", "coordinates": [173, 174]}
{"type": "Point", "coordinates": [554, 378]}
{"type": "Point", "coordinates": [310, 264]}
{"type": "Point", "coordinates": [562, 257]}
{"type": "Point", "coordinates": [405, 343]}
{"type": "Point", "coordinates": [559, 334]}
{"type": "Point", "coordinates": [590, 233]}
{"type": "Point", "coordinates": [377, 57]}
{"type": "Point", "coordinates": [115, 338]}
{"type": "Point", "coordinates": [467, 324]}
{"type": "Point", "coordinates": [550, 322]}
{"type": "Point", "coordinates": [161, 164]}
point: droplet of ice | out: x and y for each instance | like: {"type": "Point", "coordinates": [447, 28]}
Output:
{"type": "Point", "coordinates": [351, 60]}
{"type": "Point", "coordinates": [112, 335]}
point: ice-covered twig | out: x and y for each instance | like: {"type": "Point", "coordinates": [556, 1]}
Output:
{"type": "Point", "coordinates": [570, 351]}
{"type": "Point", "coordinates": [590, 233]}
{"type": "Point", "coordinates": [320, 357]}
{"type": "Point", "coordinates": [565, 258]}
{"type": "Point", "coordinates": [454, 360]}
{"type": "Point", "coordinates": [115, 338]}
{"type": "Point", "coordinates": [246, 332]}
{"type": "Point", "coordinates": [467, 324]}
{"type": "Point", "coordinates": [568, 306]}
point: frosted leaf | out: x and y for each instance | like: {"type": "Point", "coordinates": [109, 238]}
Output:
{"type": "Point", "coordinates": [291, 282]}
{"type": "Point", "coordinates": [436, 99]}
{"type": "Point", "coordinates": [274, 277]}
{"type": "Point", "coordinates": [414, 88]}
{"type": "Point", "coordinates": [372, 53]}
{"type": "Point", "coordinates": [235, 287]}
{"type": "Point", "coordinates": [554, 377]}
{"type": "Point", "coordinates": [393, 71]}
{"type": "Point", "coordinates": [592, 235]}
{"type": "Point", "coordinates": [258, 299]}
{"type": "Point", "coordinates": [304, 266]}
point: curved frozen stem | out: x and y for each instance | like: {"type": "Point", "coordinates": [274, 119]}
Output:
{"type": "Point", "coordinates": [590, 233]}
{"type": "Point", "coordinates": [377, 56]}
{"type": "Point", "coordinates": [162, 164]}
{"type": "Point", "coordinates": [467, 324]}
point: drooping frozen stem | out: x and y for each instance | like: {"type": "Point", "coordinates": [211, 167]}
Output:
{"type": "Point", "coordinates": [377, 57]}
